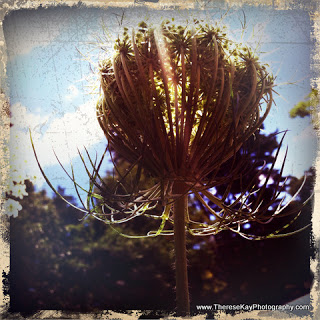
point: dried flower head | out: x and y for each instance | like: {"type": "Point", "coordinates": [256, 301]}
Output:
{"type": "Point", "coordinates": [178, 102]}
{"type": "Point", "coordinates": [181, 102]}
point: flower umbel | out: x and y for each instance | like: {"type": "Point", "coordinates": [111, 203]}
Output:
{"type": "Point", "coordinates": [180, 102]}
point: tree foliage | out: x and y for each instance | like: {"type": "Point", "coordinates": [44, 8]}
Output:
{"type": "Point", "coordinates": [60, 262]}
{"type": "Point", "coordinates": [307, 108]}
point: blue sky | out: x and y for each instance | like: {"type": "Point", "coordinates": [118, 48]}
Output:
{"type": "Point", "coordinates": [53, 89]}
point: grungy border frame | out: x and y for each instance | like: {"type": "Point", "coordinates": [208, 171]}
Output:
{"type": "Point", "coordinates": [312, 6]}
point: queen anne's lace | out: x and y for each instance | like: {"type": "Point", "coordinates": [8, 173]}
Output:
{"type": "Point", "coordinates": [177, 104]}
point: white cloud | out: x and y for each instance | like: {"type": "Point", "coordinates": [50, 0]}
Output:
{"type": "Point", "coordinates": [63, 135]}
{"type": "Point", "coordinates": [22, 119]}
{"type": "Point", "coordinates": [73, 92]}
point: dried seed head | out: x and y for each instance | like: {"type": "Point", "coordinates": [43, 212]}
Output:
{"type": "Point", "coordinates": [182, 100]}
{"type": "Point", "coordinates": [179, 104]}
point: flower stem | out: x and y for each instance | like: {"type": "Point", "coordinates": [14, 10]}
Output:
{"type": "Point", "coordinates": [182, 290]}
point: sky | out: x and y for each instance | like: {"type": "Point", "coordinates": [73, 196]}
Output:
{"type": "Point", "coordinates": [53, 87]}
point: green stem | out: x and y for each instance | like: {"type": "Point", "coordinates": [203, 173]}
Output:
{"type": "Point", "coordinates": [182, 290]}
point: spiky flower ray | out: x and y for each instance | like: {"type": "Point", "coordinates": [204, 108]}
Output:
{"type": "Point", "coordinates": [130, 205]}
